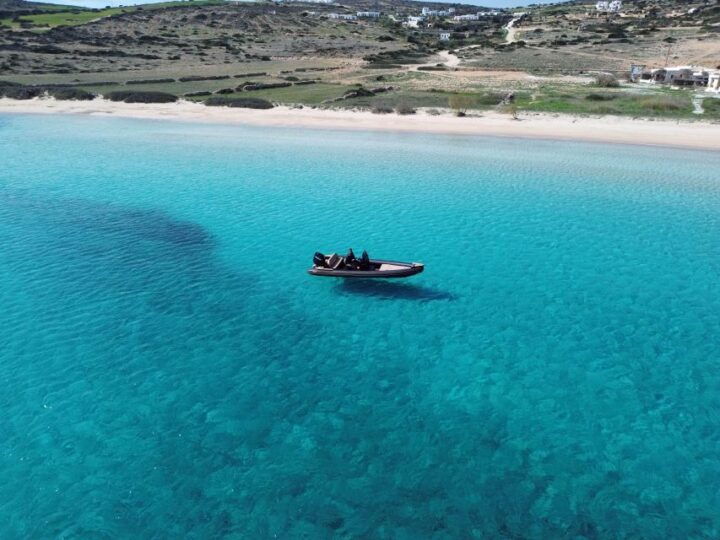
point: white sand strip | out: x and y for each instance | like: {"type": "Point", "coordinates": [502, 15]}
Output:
{"type": "Point", "coordinates": [609, 129]}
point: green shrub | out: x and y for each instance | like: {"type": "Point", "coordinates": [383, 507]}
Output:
{"type": "Point", "coordinates": [65, 94]}
{"type": "Point", "coordinates": [21, 92]}
{"type": "Point", "coordinates": [600, 97]}
{"type": "Point", "coordinates": [404, 108]}
{"type": "Point", "coordinates": [358, 93]}
{"type": "Point", "coordinates": [246, 103]}
{"type": "Point", "coordinates": [204, 78]}
{"type": "Point", "coordinates": [5, 84]}
{"type": "Point", "coordinates": [382, 108]}
{"type": "Point", "coordinates": [606, 80]}
{"type": "Point", "coordinates": [491, 98]}
{"type": "Point", "coordinates": [150, 81]}
{"type": "Point", "coordinates": [131, 96]}
{"type": "Point", "coordinates": [257, 74]}
{"type": "Point", "coordinates": [663, 103]}
{"type": "Point", "coordinates": [249, 87]}
{"type": "Point", "coordinates": [381, 65]}
{"type": "Point", "coordinates": [606, 109]}
{"type": "Point", "coordinates": [460, 103]}
{"type": "Point", "coordinates": [712, 106]}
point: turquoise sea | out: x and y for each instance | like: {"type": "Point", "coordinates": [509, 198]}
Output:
{"type": "Point", "coordinates": [169, 370]}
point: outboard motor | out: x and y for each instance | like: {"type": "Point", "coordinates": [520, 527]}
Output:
{"type": "Point", "coordinates": [319, 259]}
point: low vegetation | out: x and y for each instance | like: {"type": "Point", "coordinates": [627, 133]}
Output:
{"type": "Point", "coordinates": [243, 102]}
{"type": "Point", "coordinates": [382, 108]}
{"type": "Point", "coordinates": [712, 108]}
{"type": "Point", "coordinates": [460, 103]}
{"type": "Point", "coordinates": [617, 102]}
{"type": "Point", "coordinates": [131, 96]}
{"type": "Point", "coordinates": [606, 80]}
{"type": "Point", "coordinates": [21, 92]}
{"type": "Point", "coordinates": [70, 94]}
{"type": "Point", "coordinates": [405, 108]}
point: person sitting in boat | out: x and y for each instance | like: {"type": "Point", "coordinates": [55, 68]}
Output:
{"type": "Point", "coordinates": [319, 260]}
{"type": "Point", "coordinates": [364, 262]}
{"type": "Point", "coordinates": [350, 259]}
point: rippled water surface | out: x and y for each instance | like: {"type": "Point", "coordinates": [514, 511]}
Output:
{"type": "Point", "coordinates": [170, 371]}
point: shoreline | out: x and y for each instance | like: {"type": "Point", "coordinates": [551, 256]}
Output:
{"type": "Point", "coordinates": [615, 130]}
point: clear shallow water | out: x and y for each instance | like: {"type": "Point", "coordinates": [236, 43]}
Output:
{"type": "Point", "coordinates": [168, 369]}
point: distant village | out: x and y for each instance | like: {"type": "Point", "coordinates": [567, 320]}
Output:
{"type": "Point", "coordinates": [425, 18]}
{"type": "Point", "coordinates": [428, 18]}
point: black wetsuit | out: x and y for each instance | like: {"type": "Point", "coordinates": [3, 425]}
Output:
{"type": "Point", "coordinates": [364, 261]}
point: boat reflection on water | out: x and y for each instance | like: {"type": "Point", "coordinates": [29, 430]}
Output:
{"type": "Point", "coordinates": [391, 290]}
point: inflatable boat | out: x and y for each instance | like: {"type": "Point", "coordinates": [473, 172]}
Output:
{"type": "Point", "coordinates": [335, 266]}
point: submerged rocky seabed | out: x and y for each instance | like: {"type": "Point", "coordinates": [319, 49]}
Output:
{"type": "Point", "coordinates": [170, 370]}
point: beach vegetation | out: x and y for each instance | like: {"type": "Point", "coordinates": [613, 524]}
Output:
{"type": "Point", "coordinates": [194, 78]}
{"type": "Point", "coordinates": [241, 102]}
{"type": "Point", "coordinates": [382, 108]}
{"type": "Point", "coordinates": [21, 92]}
{"type": "Point", "coordinates": [600, 97]}
{"type": "Point", "coordinates": [404, 108]}
{"type": "Point", "coordinates": [712, 107]}
{"type": "Point", "coordinates": [662, 103]}
{"type": "Point", "coordinates": [70, 94]}
{"type": "Point", "coordinates": [150, 81]}
{"type": "Point", "coordinates": [132, 96]}
{"type": "Point", "coordinates": [647, 105]}
{"type": "Point", "coordinates": [606, 80]}
{"type": "Point", "coordinates": [460, 103]}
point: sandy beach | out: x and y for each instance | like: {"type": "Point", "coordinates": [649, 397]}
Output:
{"type": "Point", "coordinates": [680, 134]}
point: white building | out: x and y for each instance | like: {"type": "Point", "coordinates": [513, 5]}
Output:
{"type": "Point", "coordinates": [368, 14]}
{"type": "Point", "coordinates": [469, 17]}
{"type": "Point", "coordinates": [342, 16]}
{"type": "Point", "coordinates": [605, 6]}
{"type": "Point", "coordinates": [427, 12]}
{"type": "Point", "coordinates": [681, 76]}
{"type": "Point", "coordinates": [714, 82]}
{"type": "Point", "coordinates": [444, 36]}
{"type": "Point", "coordinates": [413, 22]}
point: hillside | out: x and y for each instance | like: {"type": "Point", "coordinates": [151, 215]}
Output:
{"type": "Point", "coordinates": [324, 55]}
{"type": "Point", "coordinates": [573, 38]}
